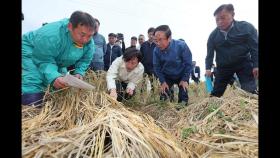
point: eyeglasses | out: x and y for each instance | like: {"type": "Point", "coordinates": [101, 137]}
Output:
{"type": "Point", "coordinates": [160, 40]}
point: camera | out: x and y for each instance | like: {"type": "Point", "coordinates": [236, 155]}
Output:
{"type": "Point", "coordinates": [120, 36]}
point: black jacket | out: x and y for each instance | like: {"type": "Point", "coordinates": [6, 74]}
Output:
{"type": "Point", "coordinates": [195, 70]}
{"type": "Point", "coordinates": [147, 54]}
{"type": "Point", "coordinates": [239, 45]}
{"type": "Point", "coordinates": [111, 55]}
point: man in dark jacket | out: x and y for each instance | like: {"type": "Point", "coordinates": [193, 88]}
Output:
{"type": "Point", "coordinates": [133, 42]}
{"type": "Point", "coordinates": [112, 52]}
{"type": "Point", "coordinates": [147, 49]}
{"type": "Point", "coordinates": [236, 47]}
{"type": "Point", "coordinates": [195, 72]}
{"type": "Point", "coordinates": [172, 60]}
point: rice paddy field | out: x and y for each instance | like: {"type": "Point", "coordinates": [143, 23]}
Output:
{"type": "Point", "coordinates": [82, 124]}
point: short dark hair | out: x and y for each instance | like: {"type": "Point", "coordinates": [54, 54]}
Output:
{"type": "Point", "coordinates": [132, 53]}
{"type": "Point", "coordinates": [227, 7]}
{"type": "Point", "coordinates": [141, 35]}
{"type": "Point", "coordinates": [97, 21]}
{"type": "Point", "coordinates": [82, 18]}
{"type": "Point", "coordinates": [134, 38]}
{"type": "Point", "coordinates": [165, 29]}
{"type": "Point", "coordinates": [112, 34]}
{"type": "Point", "coordinates": [151, 29]}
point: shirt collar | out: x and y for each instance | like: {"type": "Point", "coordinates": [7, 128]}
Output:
{"type": "Point", "coordinates": [232, 24]}
{"type": "Point", "coordinates": [169, 46]}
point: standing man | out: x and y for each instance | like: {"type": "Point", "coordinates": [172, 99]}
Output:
{"type": "Point", "coordinates": [112, 51]}
{"type": "Point", "coordinates": [172, 61]}
{"type": "Point", "coordinates": [146, 50]}
{"type": "Point", "coordinates": [236, 47]}
{"type": "Point", "coordinates": [97, 62]}
{"type": "Point", "coordinates": [133, 42]}
{"type": "Point", "coordinates": [48, 51]}
{"type": "Point", "coordinates": [195, 72]}
{"type": "Point", "coordinates": [141, 40]}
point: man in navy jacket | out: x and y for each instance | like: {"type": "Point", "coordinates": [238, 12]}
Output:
{"type": "Point", "coordinates": [236, 46]}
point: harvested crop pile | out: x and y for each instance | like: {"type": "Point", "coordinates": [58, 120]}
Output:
{"type": "Point", "coordinates": [210, 126]}
{"type": "Point", "coordinates": [77, 123]}
{"type": "Point", "coordinates": [225, 127]}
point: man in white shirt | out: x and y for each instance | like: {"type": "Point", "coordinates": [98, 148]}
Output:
{"type": "Point", "coordinates": [124, 74]}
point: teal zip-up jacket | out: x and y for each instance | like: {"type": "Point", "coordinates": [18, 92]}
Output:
{"type": "Point", "coordinates": [46, 54]}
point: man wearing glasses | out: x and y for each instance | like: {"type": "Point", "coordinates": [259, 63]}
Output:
{"type": "Point", "coordinates": [172, 60]}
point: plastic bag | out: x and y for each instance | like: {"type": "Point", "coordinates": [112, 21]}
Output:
{"type": "Point", "coordinates": [208, 84]}
{"type": "Point", "coordinates": [77, 83]}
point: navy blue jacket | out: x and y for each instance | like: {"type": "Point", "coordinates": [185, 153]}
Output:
{"type": "Point", "coordinates": [111, 55]}
{"type": "Point", "coordinates": [239, 45]}
{"type": "Point", "coordinates": [146, 50]}
{"type": "Point", "coordinates": [173, 63]}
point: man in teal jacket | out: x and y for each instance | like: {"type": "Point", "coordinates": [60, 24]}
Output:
{"type": "Point", "coordinates": [48, 51]}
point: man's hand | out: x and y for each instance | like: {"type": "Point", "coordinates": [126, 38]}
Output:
{"type": "Point", "coordinates": [113, 93]}
{"type": "Point", "coordinates": [59, 83]}
{"type": "Point", "coordinates": [256, 72]}
{"type": "Point", "coordinates": [163, 87]}
{"type": "Point", "coordinates": [208, 73]}
{"type": "Point", "coordinates": [129, 91]}
{"type": "Point", "coordinates": [79, 76]}
{"type": "Point", "coordinates": [184, 84]}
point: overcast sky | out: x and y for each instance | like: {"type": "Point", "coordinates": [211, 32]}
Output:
{"type": "Point", "coordinates": [191, 20]}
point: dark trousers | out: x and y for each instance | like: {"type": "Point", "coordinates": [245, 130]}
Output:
{"type": "Point", "coordinates": [244, 73]}
{"type": "Point", "coordinates": [121, 91]}
{"type": "Point", "coordinates": [30, 99]}
{"type": "Point", "coordinates": [182, 96]}
{"type": "Point", "coordinates": [196, 80]}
